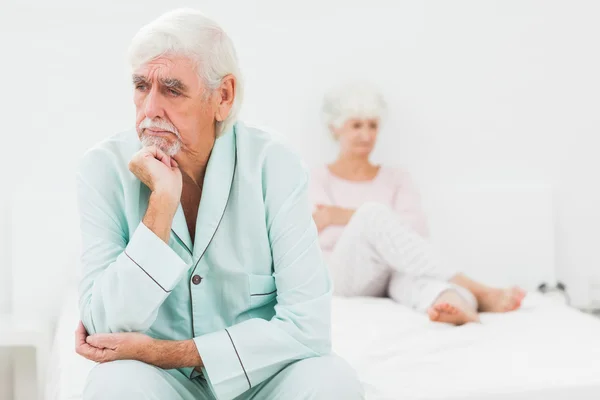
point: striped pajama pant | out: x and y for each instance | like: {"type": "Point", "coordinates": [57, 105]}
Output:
{"type": "Point", "coordinates": [379, 254]}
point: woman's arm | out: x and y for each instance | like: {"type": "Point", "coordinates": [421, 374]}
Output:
{"type": "Point", "coordinates": [321, 202]}
{"type": "Point", "coordinates": [326, 216]}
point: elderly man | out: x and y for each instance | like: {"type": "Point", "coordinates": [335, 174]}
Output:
{"type": "Point", "coordinates": [202, 275]}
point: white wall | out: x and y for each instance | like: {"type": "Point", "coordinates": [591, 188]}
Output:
{"type": "Point", "coordinates": [479, 90]}
{"type": "Point", "coordinates": [5, 294]}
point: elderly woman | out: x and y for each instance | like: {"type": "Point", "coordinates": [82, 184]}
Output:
{"type": "Point", "coordinates": [372, 229]}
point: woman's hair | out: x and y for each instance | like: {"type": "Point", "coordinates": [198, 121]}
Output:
{"type": "Point", "coordinates": [352, 100]}
{"type": "Point", "coordinates": [191, 34]}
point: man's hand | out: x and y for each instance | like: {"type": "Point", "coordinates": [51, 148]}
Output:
{"type": "Point", "coordinates": [159, 172]}
{"type": "Point", "coordinates": [165, 354]}
{"type": "Point", "coordinates": [105, 347]}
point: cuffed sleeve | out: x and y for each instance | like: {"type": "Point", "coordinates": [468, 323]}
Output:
{"type": "Point", "coordinates": [125, 277]}
{"type": "Point", "coordinates": [223, 367]}
{"type": "Point", "coordinates": [246, 354]}
{"type": "Point", "coordinates": [151, 254]}
{"type": "Point", "coordinates": [190, 372]}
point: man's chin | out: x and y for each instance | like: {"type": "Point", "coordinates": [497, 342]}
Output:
{"type": "Point", "coordinates": [169, 147]}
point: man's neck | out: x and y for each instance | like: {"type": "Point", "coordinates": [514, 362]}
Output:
{"type": "Point", "coordinates": [193, 165]}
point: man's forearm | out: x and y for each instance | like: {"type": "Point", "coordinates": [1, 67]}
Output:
{"type": "Point", "coordinates": [159, 216]}
{"type": "Point", "coordinates": [169, 354]}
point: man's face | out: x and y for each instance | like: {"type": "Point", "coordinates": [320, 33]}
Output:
{"type": "Point", "coordinates": [173, 107]}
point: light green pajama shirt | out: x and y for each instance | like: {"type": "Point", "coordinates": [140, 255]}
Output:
{"type": "Point", "coordinates": [252, 291]}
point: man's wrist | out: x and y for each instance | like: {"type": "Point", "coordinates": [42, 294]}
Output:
{"type": "Point", "coordinates": [159, 215]}
{"type": "Point", "coordinates": [164, 201]}
{"type": "Point", "coordinates": [169, 354]}
{"type": "Point", "coordinates": [150, 354]}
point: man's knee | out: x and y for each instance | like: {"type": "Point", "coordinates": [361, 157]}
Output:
{"type": "Point", "coordinates": [123, 379]}
{"type": "Point", "coordinates": [328, 377]}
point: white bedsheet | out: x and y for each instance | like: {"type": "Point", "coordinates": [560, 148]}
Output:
{"type": "Point", "coordinates": [544, 351]}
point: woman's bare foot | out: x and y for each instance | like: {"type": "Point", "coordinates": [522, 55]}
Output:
{"type": "Point", "coordinates": [452, 309]}
{"type": "Point", "coordinates": [501, 300]}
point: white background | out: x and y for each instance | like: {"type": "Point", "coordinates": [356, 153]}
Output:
{"type": "Point", "coordinates": [478, 91]}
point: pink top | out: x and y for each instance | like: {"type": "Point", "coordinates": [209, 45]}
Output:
{"type": "Point", "coordinates": [392, 187]}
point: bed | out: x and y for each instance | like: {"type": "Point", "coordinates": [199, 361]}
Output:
{"type": "Point", "coordinates": [544, 351]}
{"type": "Point", "coordinates": [498, 234]}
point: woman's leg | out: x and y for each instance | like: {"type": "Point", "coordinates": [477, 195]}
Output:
{"type": "Point", "coordinates": [442, 301]}
{"type": "Point", "coordinates": [354, 270]}
{"type": "Point", "coordinates": [491, 299]}
{"type": "Point", "coordinates": [377, 242]}
{"type": "Point", "coordinates": [374, 243]}
{"type": "Point", "coordinates": [422, 293]}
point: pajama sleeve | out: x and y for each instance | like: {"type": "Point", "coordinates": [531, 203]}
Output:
{"type": "Point", "coordinates": [125, 276]}
{"type": "Point", "coordinates": [407, 202]}
{"type": "Point", "coordinates": [244, 355]}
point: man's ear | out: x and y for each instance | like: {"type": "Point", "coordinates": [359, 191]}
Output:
{"type": "Point", "coordinates": [225, 97]}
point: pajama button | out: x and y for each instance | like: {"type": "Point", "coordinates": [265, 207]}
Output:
{"type": "Point", "coordinates": [196, 279]}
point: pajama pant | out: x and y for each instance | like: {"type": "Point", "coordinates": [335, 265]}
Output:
{"type": "Point", "coordinates": [378, 254]}
{"type": "Point", "coordinates": [318, 378]}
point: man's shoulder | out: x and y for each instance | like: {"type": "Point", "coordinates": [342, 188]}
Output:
{"type": "Point", "coordinates": [111, 154]}
{"type": "Point", "coordinates": [263, 143]}
{"type": "Point", "coordinates": [253, 137]}
{"type": "Point", "coordinates": [270, 154]}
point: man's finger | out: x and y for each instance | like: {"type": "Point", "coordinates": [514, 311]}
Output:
{"type": "Point", "coordinates": [96, 354]}
{"type": "Point", "coordinates": [96, 341]}
{"type": "Point", "coordinates": [101, 340]}
{"type": "Point", "coordinates": [80, 334]}
{"type": "Point", "coordinates": [165, 159]}
{"type": "Point", "coordinates": [81, 329]}
{"type": "Point", "coordinates": [160, 155]}
{"type": "Point", "coordinates": [90, 352]}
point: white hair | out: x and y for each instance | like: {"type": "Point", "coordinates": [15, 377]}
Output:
{"type": "Point", "coordinates": [191, 34]}
{"type": "Point", "coordinates": [352, 100]}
